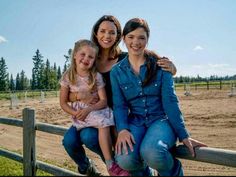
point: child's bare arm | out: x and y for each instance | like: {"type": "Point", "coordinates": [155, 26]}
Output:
{"type": "Point", "coordinates": [64, 92]}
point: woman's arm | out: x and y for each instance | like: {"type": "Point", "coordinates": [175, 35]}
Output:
{"type": "Point", "coordinates": [125, 139]}
{"type": "Point", "coordinates": [102, 103]}
{"type": "Point", "coordinates": [171, 107]}
{"type": "Point", "coordinates": [80, 96]}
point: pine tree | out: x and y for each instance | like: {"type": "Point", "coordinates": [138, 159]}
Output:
{"type": "Point", "coordinates": [67, 62]}
{"type": "Point", "coordinates": [3, 75]}
{"type": "Point", "coordinates": [47, 74]}
{"type": "Point", "coordinates": [58, 73]}
{"type": "Point", "coordinates": [18, 86]}
{"type": "Point", "coordinates": [23, 81]}
{"type": "Point", "coordinates": [37, 72]}
{"type": "Point", "coordinates": [12, 84]}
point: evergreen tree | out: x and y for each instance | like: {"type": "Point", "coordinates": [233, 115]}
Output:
{"type": "Point", "coordinates": [58, 73]}
{"type": "Point", "coordinates": [12, 84]}
{"type": "Point", "coordinates": [53, 79]}
{"type": "Point", "coordinates": [23, 81]}
{"type": "Point", "coordinates": [3, 75]}
{"type": "Point", "coordinates": [47, 73]}
{"type": "Point", "coordinates": [37, 72]}
{"type": "Point", "coordinates": [18, 86]}
{"type": "Point", "coordinates": [67, 62]}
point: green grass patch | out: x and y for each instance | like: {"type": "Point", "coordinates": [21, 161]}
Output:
{"type": "Point", "coordinates": [10, 167]}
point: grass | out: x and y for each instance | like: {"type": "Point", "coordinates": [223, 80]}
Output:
{"type": "Point", "coordinates": [10, 167]}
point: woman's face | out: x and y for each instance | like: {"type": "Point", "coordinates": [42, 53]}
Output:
{"type": "Point", "coordinates": [107, 34]}
{"type": "Point", "coordinates": [136, 41]}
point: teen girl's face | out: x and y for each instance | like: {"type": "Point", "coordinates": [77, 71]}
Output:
{"type": "Point", "coordinates": [107, 34]}
{"type": "Point", "coordinates": [85, 57]}
{"type": "Point", "coordinates": [136, 41]}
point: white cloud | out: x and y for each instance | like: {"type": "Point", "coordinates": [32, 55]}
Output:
{"type": "Point", "coordinates": [198, 47]}
{"type": "Point", "coordinates": [218, 65]}
{"type": "Point", "coordinates": [2, 39]}
{"type": "Point", "coordinates": [207, 70]}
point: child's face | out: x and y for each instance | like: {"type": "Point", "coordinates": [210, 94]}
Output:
{"type": "Point", "coordinates": [107, 34]}
{"type": "Point", "coordinates": [136, 41]}
{"type": "Point", "coordinates": [85, 57]}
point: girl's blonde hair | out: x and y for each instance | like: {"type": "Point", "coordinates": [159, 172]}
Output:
{"type": "Point", "coordinates": [72, 73]}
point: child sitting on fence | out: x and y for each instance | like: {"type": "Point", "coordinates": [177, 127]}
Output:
{"type": "Point", "coordinates": [83, 77]}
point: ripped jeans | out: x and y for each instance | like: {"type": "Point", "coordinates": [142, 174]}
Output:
{"type": "Point", "coordinates": [152, 147]}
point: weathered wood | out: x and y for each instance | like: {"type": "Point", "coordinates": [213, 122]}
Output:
{"type": "Point", "coordinates": [29, 157]}
{"type": "Point", "coordinates": [11, 155]}
{"type": "Point", "coordinates": [209, 155]}
{"type": "Point", "coordinates": [11, 121]}
{"type": "Point", "coordinates": [57, 171]}
{"type": "Point", "coordinates": [49, 128]}
{"type": "Point", "coordinates": [203, 154]}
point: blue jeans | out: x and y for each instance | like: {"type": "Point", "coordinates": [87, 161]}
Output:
{"type": "Point", "coordinates": [152, 147]}
{"type": "Point", "coordinates": [73, 141]}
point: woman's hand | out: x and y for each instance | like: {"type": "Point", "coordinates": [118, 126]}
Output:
{"type": "Point", "coordinates": [83, 113]}
{"type": "Point", "coordinates": [167, 65]}
{"type": "Point", "coordinates": [124, 139]}
{"type": "Point", "coordinates": [191, 144]}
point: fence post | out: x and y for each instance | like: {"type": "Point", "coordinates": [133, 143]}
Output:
{"type": "Point", "coordinates": [29, 157]}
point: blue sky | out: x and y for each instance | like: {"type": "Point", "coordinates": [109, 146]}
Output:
{"type": "Point", "coordinates": [198, 35]}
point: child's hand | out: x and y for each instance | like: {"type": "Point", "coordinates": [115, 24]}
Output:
{"type": "Point", "coordinates": [82, 114]}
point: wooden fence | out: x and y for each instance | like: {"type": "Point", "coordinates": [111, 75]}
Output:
{"type": "Point", "coordinates": [30, 164]}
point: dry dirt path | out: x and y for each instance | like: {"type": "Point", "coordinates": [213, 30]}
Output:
{"type": "Point", "coordinates": [210, 116]}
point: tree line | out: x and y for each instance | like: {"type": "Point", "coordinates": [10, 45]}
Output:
{"type": "Point", "coordinates": [44, 75]}
{"type": "Point", "coordinates": [47, 76]}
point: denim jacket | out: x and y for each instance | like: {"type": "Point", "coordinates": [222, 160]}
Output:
{"type": "Point", "coordinates": [140, 105]}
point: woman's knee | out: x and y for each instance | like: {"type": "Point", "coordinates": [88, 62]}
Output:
{"type": "Point", "coordinates": [158, 156]}
{"type": "Point", "coordinates": [129, 162]}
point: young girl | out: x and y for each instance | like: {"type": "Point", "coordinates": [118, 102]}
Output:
{"type": "Point", "coordinates": [82, 77]}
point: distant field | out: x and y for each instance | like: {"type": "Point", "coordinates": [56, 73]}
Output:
{"type": "Point", "coordinates": [224, 85]}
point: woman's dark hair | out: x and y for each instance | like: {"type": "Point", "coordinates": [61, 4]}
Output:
{"type": "Point", "coordinates": [152, 67]}
{"type": "Point", "coordinates": [115, 50]}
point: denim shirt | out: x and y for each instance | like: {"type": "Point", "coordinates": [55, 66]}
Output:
{"type": "Point", "coordinates": [133, 103]}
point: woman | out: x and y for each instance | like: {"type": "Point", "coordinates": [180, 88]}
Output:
{"type": "Point", "coordinates": [106, 33]}
{"type": "Point", "coordinates": [147, 115]}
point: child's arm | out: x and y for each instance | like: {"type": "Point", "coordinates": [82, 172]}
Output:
{"type": "Point", "coordinates": [102, 103]}
{"type": "Point", "coordinates": [64, 101]}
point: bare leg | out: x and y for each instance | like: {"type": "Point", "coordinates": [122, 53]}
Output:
{"type": "Point", "coordinates": [114, 135]}
{"type": "Point", "coordinates": [105, 142]}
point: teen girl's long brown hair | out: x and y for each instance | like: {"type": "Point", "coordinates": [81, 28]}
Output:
{"type": "Point", "coordinates": [132, 25]}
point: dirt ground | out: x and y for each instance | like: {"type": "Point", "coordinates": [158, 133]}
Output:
{"type": "Point", "coordinates": [210, 117]}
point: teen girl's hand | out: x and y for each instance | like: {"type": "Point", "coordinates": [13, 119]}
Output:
{"type": "Point", "coordinates": [191, 144]}
{"type": "Point", "coordinates": [124, 140]}
{"type": "Point", "coordinates": [167, 65]}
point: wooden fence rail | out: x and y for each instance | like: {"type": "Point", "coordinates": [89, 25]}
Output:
{"type": "Point", "coordinates": [30, 164]}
